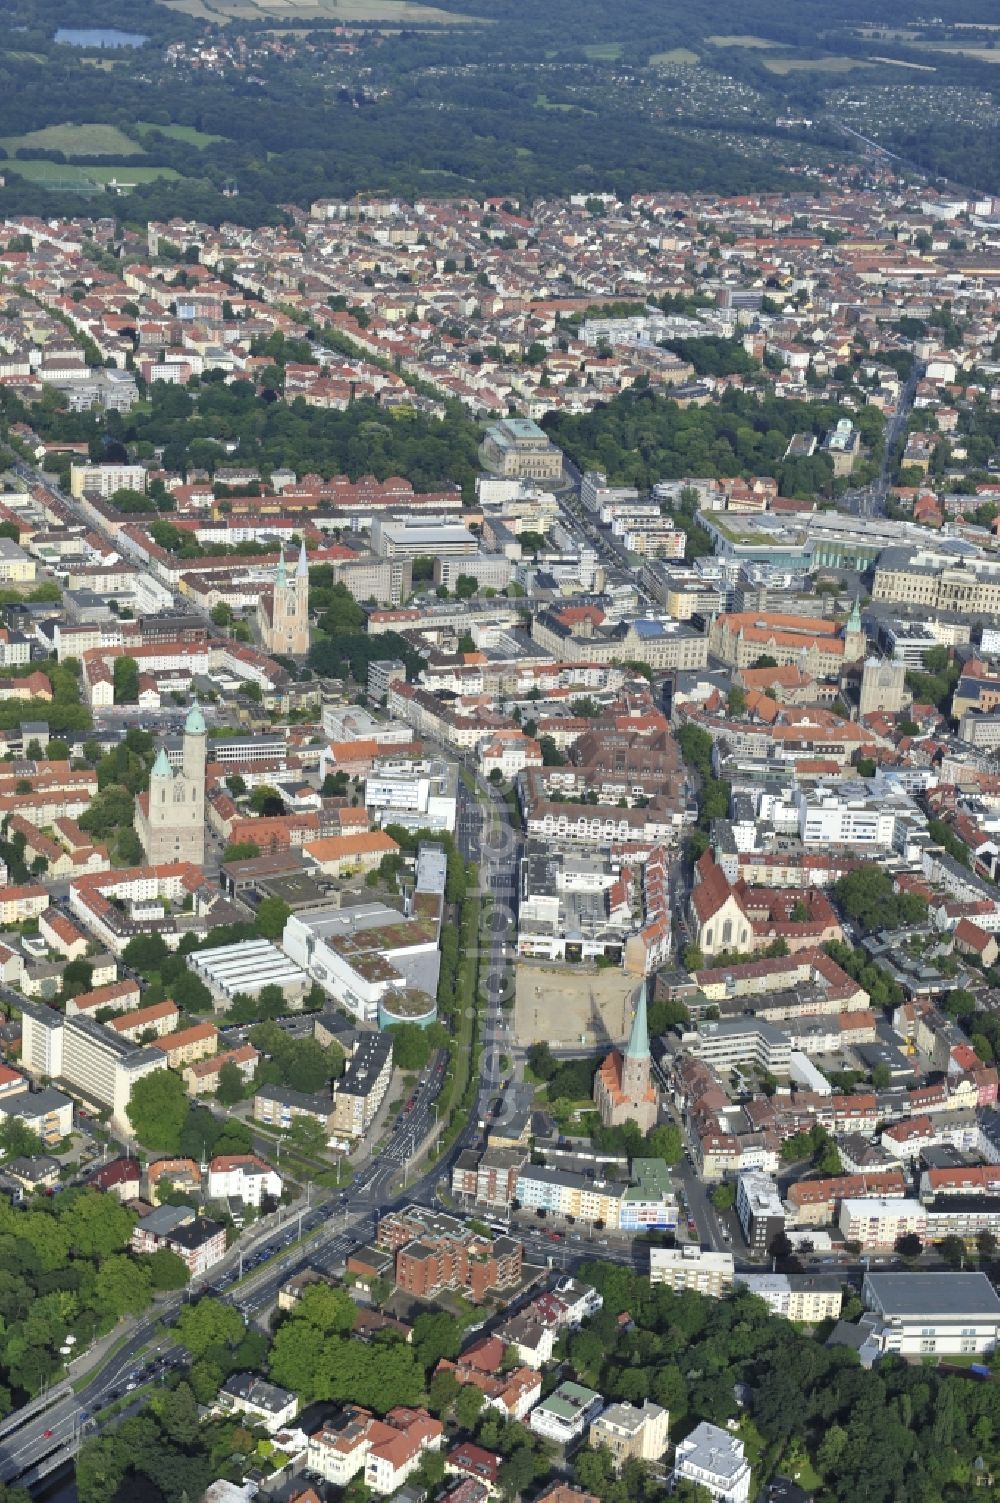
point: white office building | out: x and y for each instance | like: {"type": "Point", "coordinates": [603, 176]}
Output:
{"type": "Point", "coordinates": [932, 1314]}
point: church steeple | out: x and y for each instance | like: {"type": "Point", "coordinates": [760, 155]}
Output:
{"type": "Point", "coordinates": [281, 578]}
{"type": "Point", "coordinates": [161, 767]}
{"type": "Point", "coordinates": [854, 619]}
{"type": "Point", "coordinates": [302, 567]}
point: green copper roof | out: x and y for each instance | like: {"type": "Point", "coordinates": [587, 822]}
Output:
{"type": "Point", "coordinates": [638, 1041]}
{"type": "Point", "coordinates": [161, 767]}
{"type": "Point", "coordinates": [194, 725]}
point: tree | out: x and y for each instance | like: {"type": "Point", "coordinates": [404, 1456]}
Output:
{"type": "Point", "coordinates": [17, 1140]}
{"type": "Point", "coordinates": [126, 681]}
{"type": "Point", "coordinates": [272, 916]}
{"type": "Point", "coordinates": [443, 1392]}
{"type": "Point", "coordinates": [166, 1270]}
{"type": "Point", "coordinates": [411, 1046]}
{"type": "Point", "coordinates": [881, 1077]}
{"type": "Point", "coordinates": [952, 1250]}
{"type": "Point", "coordinates": [909, 1245]}
{"type": "Point", "coordinates": [77, 977]}
{"type": "Point", "coordinates": [435, 1336]}
{"type": "Point", "coordinates": [207, 1324]}
{"type": "Point", "coordinates": [158, 1109]}
{"type": "Point", "coordinates": [308, 1135]}
{"type": "Point", "coordinates": [724, 1197]}
{"type": "Point", "coordinates": [231, 1085]}
{"type": "Point", "coordinates": [692, 959]}
{"type": "Point", "coordinates": [468, 1405]}
{"type": "Point", "coordinates": [666, 1143]}
{"type": "Point", "coordinates": [265, 800]}
{"type": "Point", "coordinates": [736, 701]}
{"type": "Point", "coordinates": [124, 1287]}
{"type": "Point", "coordinates": [241, 850]}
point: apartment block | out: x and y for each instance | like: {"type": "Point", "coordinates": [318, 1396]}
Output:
{"type": "Point", "coordinates": [690, 1268]}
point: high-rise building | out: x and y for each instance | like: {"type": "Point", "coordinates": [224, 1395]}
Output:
{"type": "Point", "coordinates": [170, 818]}
{"type": "Point", "coordinates": [623, 1086]}
{"type": "Point", "coordinates": [283, 616]}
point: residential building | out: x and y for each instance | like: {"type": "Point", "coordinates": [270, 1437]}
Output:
{"type": "Point", "coordinates": [264, 1403]}
{"type": "Point", "coordinates": [878, 1224]}
{"type": "Point", "coordinates": [566, 1414]}
{"type": "Point", "coordinates": [691, 1268]}
{"type": "Point", "coordinates": [434, 1251]}
{"type": "Point", "coordinates": [631, 1433]}
{"type": "Point", "coordinates": [805, 1297]}
{"type": "Point", "coordinates": [386, 1450]}
{"type": "Point", "coordinates": [243, 1176]}
{"type": "Point", "coordinates": [759, 1210]}
{"type": "Point", "coordinates": [715, 1460]}
{"type": "Point", "coordinates": [198, 1242]}
{"type": "Point", "coordinates": [360, 1091]}
{"type": "Point", "coordinates": [46, 1112]}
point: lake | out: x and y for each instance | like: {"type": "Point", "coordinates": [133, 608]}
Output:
{"type": "Point", "coordinates": [99, 36]}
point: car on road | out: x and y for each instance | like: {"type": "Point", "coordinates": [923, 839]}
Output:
{"type": "Point", "coordinates": [47, 1434]}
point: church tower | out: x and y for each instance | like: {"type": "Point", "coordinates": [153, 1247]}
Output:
{"type": "Point", "coordinates": [636, 1064]}
{"type": "Point", "coordinates": [855, 643]}
{"type": "Point", "coordinates": [284, 620]}
{"type": "Point", "coordinates": [624, 1090]}
{"type": "Point", "coordinates": [170, 818]}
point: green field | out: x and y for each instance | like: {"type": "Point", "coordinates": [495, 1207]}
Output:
{"type": "Point", "coordinates": [400, 12]}
{"type": "Point", "coordinates": [783, 65]}
{"type": "Point", "coordinates": [70, 174]}
{"type": "Point", "coordinates": [748, 43]}
{"type": "Point", "coordinates": [603, 52]}
{"type": "Point", "coordinates": [682, 55]}
{"type": "Point", "coordinates": [188, 133]}
{"type": "Point", "coordinates": [76, 141]}
{"type": "Point", "coordinates": [957, 49]}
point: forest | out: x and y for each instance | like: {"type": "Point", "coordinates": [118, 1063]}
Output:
{"type": "Point", "coordinates": [193, 424]}
{"type": "Point", "coordinates": [641, 437]}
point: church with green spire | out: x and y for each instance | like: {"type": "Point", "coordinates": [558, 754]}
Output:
{"type": "Point", "coordinates": [624, 1090]}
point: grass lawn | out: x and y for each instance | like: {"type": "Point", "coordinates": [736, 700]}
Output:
{"type": "Point", "coordinates": [402, 12]}
{"type": "Point", "coordinates": [675, 55]}
{"type": "Point", "coordinates": [92, 140]}
{"type": "Point", "coordinates": [748, 43]}
{"type": "Point", "coordinates": [603, 52]}
{"type": "Point", "coordinates": [68, 173]}
{"type": "Point", "coordinates": [186, 133]}
{"type": "Point", "coordinates": [956, 49]}
{"type": "Point", "coordinates": [783, 65]}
